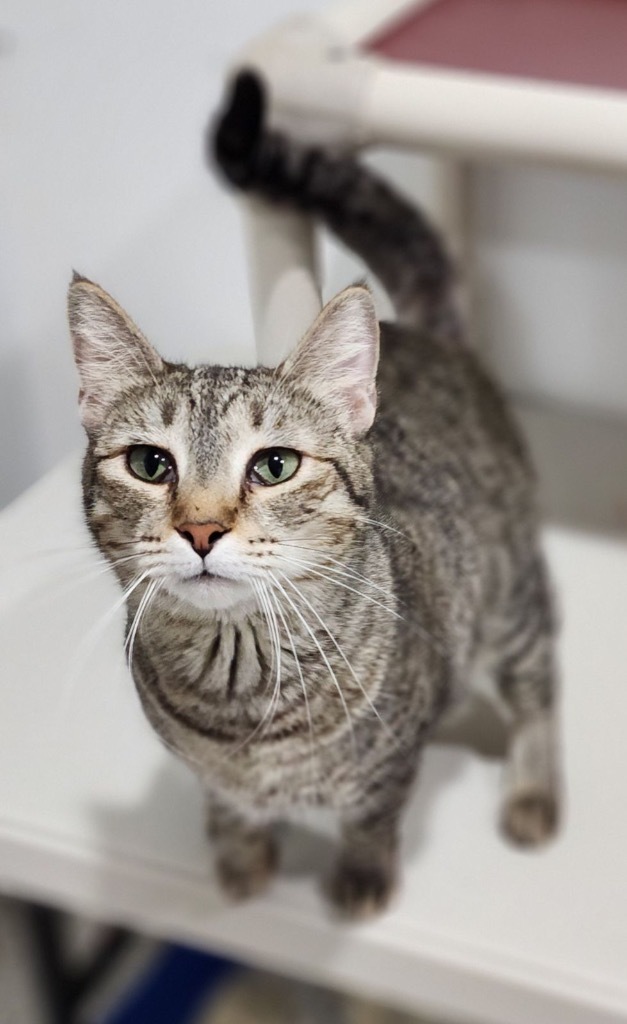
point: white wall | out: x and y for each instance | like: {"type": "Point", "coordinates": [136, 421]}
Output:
{"type": "Point", "coordinates": [102, 113]}
{"type": "Point", "coordinates": [551, 283]}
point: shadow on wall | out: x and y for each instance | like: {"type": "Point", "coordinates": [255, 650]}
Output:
{"type": "Point", "coordinates": [18, 433]}
{"type": "Point", "coordinates": [580, 460]}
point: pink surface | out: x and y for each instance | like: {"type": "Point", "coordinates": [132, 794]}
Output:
{"type": "Point", "coordinates": [578, 41]}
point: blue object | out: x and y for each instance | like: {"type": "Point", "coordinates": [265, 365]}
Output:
{"type": "Point", "coordinates": [172, 989]}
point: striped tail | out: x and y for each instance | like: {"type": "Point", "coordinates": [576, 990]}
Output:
{"type": "Point", "coordinates": [393, 238]}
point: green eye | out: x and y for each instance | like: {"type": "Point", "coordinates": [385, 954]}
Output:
{"type": "Point", "coordinates": [151, 464]}
{"type": "Point", "coordinates": [274, 465]}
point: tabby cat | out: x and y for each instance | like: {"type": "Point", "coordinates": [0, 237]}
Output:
{"type": "Point", "coordinates": [314, 555]}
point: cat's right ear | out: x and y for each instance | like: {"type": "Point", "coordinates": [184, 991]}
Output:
{"type": "Point", "coordinates": [110, 352]}
{"type": "Point", "coordinates": [337, 359]}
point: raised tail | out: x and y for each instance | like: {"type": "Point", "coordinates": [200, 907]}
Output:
{"type": "Point", "coordinates": [393, 238]}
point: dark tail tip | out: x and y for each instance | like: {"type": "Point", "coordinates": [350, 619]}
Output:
{"type": "Point", "coordinates": [234, 137]}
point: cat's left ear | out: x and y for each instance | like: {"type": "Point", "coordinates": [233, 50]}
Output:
{"type": "Point", "coordinates": [110, 352]}
{"type": "Point", "coordinates": [338, 357]}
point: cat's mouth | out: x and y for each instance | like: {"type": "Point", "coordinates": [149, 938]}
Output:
{"type": "Point", "coordinates": [209, 591]}
{"type": "Point", "coordinates": [207, 577]}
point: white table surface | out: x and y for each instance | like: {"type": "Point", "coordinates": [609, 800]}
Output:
{"type": "Point", "coordinates": [95, 815]}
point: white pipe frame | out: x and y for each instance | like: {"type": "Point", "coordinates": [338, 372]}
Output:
{"type": "Point", "coordinates": [323, 89]}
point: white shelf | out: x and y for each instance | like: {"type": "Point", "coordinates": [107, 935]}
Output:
{"type": "Point", "coordinates": [96, 816]}
{"type": "Point", "coordinates": [323, 85]}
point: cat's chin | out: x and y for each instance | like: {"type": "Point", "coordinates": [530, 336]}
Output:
{"type": "Point", "coordinates": [210, 593]}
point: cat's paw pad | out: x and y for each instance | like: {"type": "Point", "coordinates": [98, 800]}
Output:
{"type": "Point", "coordinates": [359, 892]}
{"type": "Point", "coordinates": [530, 819]}
{"type": "Point", "coordinates": [241, 879]}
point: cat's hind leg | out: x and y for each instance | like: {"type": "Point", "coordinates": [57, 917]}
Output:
{"type": "Point", "coordinates": [526, 679]}
{"type": "Point", "coordinates": [531, 805]}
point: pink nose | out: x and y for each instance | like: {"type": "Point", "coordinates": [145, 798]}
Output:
{"type": "Point", "coordinates": [202, 536]}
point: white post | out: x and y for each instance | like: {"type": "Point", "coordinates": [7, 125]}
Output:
{"type": "Point", "coordinates": [283, 277]}
{"type": "Point", "coordinates": [449, 206]}
{"type": "Point", "coordinates": [440, 186]}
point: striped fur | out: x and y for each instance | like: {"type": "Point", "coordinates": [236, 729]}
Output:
{"type": "Point", "coordinates": [347, 605]}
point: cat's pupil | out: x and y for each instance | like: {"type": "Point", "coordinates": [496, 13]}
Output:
{"type": "Point", "coordinates": [275, 464]}
{"type": "Point", "coordinates": [153, 461]}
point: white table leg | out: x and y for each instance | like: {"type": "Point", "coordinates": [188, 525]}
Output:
{"type": "Point", "coordinates": [283, 277]}
{"type": "Point", "coordinates": [449, 206]}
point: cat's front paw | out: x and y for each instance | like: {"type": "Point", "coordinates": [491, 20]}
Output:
{"type": "Point", "coordinates": [530, 819]}
{"type": "Point", "coordinates": [243, 874]}
{"type": "Point", "coordinates": [359, 892]}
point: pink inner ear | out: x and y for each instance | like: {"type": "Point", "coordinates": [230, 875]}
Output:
{"type": "Point", "coordinates": [360, 328]}
{"type": "Point", "coordinates": [337, 359]}
{"type": "Point", "coordinates": [109, 350]}
{"type": "Point", "coordinates": [363, 406]}
{"type": "Point", "coordinates": [363, 365]}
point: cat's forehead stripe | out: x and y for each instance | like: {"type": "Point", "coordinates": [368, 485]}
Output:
{"type": "Point", "coordinates": [256, 413]}
{"type": "Point", "coordinates": [168, 410]}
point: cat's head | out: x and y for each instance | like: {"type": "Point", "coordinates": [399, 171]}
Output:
{"type": "Point", "coordinates": [212, 478]}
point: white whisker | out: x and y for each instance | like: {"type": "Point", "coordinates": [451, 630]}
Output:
{"type": "Point", "coordinates": [427, 636]}
{"type": "Point", "coordinates": [347, 572]}
{"type": "Point", "coordinates": [268, 612]}
{"type": "Point", "coordinates": [384, 526]}
{"type": "Point", "coordinates": [146, 599]}
{"type": "Point", "coordinates": [312, 753]}
{"type": "Point", "coordinates": [276, 693]}
{"type": "Point", "coordinates": [339, 583]}
{"type": "Point", "coordinates": [93, 635]}
{"type": "Point", "coordinates": [323, 656]}
{"type": "Point", "coordinates": [340, 652]}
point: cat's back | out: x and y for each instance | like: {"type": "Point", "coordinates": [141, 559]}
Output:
{"type": "Point", "coordinates": [444, 426]}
